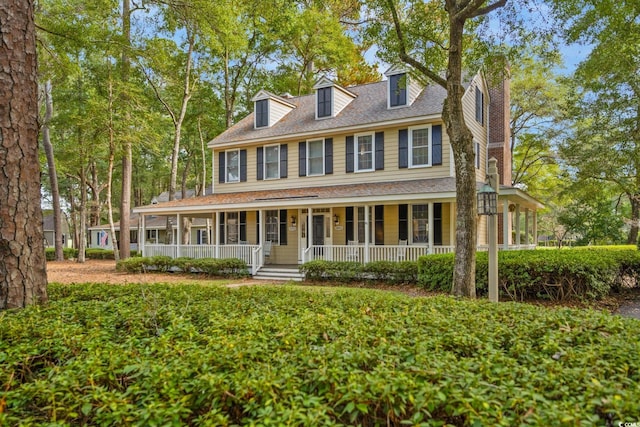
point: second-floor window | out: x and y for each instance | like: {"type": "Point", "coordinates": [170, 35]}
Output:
{"type": "Point", "coordinates": [315, 157]}
{"type": "Point", "coordinates": [324, 102]}
{"type": "Point", "coordinates": [476, 152]}
{"type": "Point", "coordinates": [233, 166]}
{"type": "Point", "coordinates": [397, 90]}
{"type": "Point", "coordinates": [365, 152]}
{"type": "Point", "coordinates": [420, 146]}
{"type": "Point", "coordinates": [479, 106]}
{"type": "Point", "coordinates": [262, 113]}
{"type": "Point", "coordinates": [272, 162]}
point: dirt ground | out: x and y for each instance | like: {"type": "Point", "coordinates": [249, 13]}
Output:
{"type": "Point", "coordinates": [104, 271]}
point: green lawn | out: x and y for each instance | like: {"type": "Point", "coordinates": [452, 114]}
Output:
{"type": "Point", "coordinates": [207, 355]}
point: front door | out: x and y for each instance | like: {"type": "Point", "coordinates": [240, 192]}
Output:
{"type": "Point", "coordinates": [318, 230]}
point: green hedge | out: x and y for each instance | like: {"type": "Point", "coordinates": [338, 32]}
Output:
{"type": "Point", "coordinates": [176, 355]}
{"type": "Point", "coordinates": [589, 273]}
{"type": "Point", "coordinates": [50, 253]}
{"type": "Point", "coordinates": [347, 272]}
{"type": "Point", "coordinates": [90, 253]}
{"type": "Point", "coordinates": [208, 266]}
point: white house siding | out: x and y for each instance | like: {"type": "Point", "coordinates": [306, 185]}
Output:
{"type": "Point", "coordinates": [277, 111]}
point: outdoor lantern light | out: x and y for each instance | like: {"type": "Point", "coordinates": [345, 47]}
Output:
{"type": "Point", "coordinates": [487, 201]}
{"type": "Point", "coordinates": [336, 220]}
{"type": "Point", "coordinates": [293, 221]}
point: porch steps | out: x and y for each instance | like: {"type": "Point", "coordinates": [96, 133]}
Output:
{"type": "Point", "coordinates": [279, 273]}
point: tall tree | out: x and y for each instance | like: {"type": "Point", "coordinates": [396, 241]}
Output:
{"type": "Point", "coordinates": [431, 37]}
{"type": "Point", "coordinates": [127, 156]}
{"type": "Point", "coordinates": [606, 143]}
{"type": "Point", "coordinates": [23, 279]}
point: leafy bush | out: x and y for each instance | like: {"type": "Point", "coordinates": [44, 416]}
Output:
{"type": "Point", "coordinates": [209, 266]}
{"type": "Point", "coordinates": [96, 253]}
{"type": "Point", "coordinates": [347, 271]}
{"type": "Point", "coordinates": [202, 355]}
{"type": "Point", "coordinates": [559, 274]}
{"type": "Point", "coordinates": [68, 253]}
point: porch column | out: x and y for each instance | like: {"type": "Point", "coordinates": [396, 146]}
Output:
{"type": "Point", "coordinates": [517, 225]}
{"type": "Point", "coordinates": [430, 223]}
{"type": "Point", "coordinates": [526, 226]}
{"type": "Point", "coordinates": [535, 228]}
{"type": "Point", "coordinates": [179, 235]}
{"type": "Point", "coordinates": [367, 232]}
{"type": "Point", "coordinates": [217, 233]}
{"type": "Point", "coordinates": [143, 237]}
{"type": "Point", "coordinates": [452, 224]}
{"type": "Point", "coordinates": [505, 224]}
{"type": "Point", "coordinates": [310, 234]}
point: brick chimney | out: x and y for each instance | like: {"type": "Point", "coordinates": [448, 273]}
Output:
{"type": "Point", "coordinates": [499, 128]}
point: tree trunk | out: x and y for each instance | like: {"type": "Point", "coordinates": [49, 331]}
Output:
{"type": "Point", "coordinates": [186, 221]}
{"type": "Point", "coordinates": [635, 217]}
{"type": "Point", "coordinates": [112, 155]}
{"type": "Point", "coordinates": [23, 277]}
{"type": "Point", "coordinates": [82, 244]}
{"type": "Point", "coordinates": [127, 158]}
{"type": "Point", "coordinates": [53, 175]}
{"type": "Point", "coordinates": [464, 271]}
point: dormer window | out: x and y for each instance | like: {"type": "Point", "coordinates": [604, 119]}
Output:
{"type": "Point", "coordinates": [262, 113]}
{"type": "Point", "coordinates": [269, 109]}
{"type": "Point", "coordinates": [331, 98]}
{"type": "Point", "coordinates": [324, 102]}
{"type": "Point", "coordinates": [397, 90]}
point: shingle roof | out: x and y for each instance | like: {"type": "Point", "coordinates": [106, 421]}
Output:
{"type": "Point", "coordinates": [369, 107]}
{"type": "Point", "coordinates": [350, 193]}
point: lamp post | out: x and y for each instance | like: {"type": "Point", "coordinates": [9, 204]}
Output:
{"type": "Point", "coordinates": [488, 205]}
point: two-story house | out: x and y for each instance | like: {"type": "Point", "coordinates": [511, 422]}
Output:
{"type": "Point", "coordinates": [363, 173]}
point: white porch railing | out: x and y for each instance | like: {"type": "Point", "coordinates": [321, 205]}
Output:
{"type": "Point", "coordinates": [375, 253]}
{"type": "Point", "coordinates": [246, 253]}
{"type": "Point", "coordinates": [485, 248]}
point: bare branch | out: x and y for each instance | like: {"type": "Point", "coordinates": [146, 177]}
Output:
{"type": "Point", "coordinates": [485, 10]}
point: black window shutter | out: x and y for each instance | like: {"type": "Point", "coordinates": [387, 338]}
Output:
{"type": "Point", "coordinates": [260, 163]}
{"type": "Point", "coordinates": [350, 150]}
{"type": "Point", "coordinates": [243, 225]}
{"type": "Point", "coordinates": [243, 165]}
{"type": "Point", "coordinates": [302, 158]}
{"type": "Point", "coordinates": [379, 151]}
{"type": "Point", "coordinates": [283, 227]}
{"type": "Point", "coordinates": [349, 224]}
{"type": "Point", "coordinates": [328, 156]}
{"type": "Point", "coordinates": [403, 222]}
{"type": "Point", "coordinates": [403, 148]}
{"type": "Point", "coordinates": [436, 144]}
{"type": "Point", "coordinates": [479, 105]}
{"type": "Point", "coordinates": [437, 224]}
{"type": "Point", "coordinates": [379, 224]}
{"type": "Point", "coordinates": [221, 228]}
{"type": "Point", "coordinates": [283, 160]}
{"type": "Point", "coordinates": [257, 227]}
{"type": "Point", "coordinates": [221, 168]}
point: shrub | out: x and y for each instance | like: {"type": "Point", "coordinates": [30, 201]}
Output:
{"type": "Point", "coordinates": [201, 355]}
{"type": "Point", "coordinates": [68, 253]}
{"type": "Point", "coordinates": [347, 271]}
{"type": "Point", "coordinates": [209, 266]}
{"type": "Point", "coordinates": [96, 253]}
{"type": "Point", "coordinates": [557, 274]}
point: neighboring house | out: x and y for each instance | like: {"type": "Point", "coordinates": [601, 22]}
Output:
{"type": "Point", "coordinates": [50, 234]}
{"type": "Point", "coordinates": [155, 232]}
{"type": "Point", "coordinates": [362, 173]}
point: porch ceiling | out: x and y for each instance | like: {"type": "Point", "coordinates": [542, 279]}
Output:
{"type": "Point", "coordinates": [353, 194]}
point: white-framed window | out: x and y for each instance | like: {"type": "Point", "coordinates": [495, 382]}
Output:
{"type": "Point", "coordinates": [476, 153]}
{"type": "Point", "coordinates": [420, 224]}
{"type": "Point", "coordinates": [232, 228]}
{"type": "Point", "coordinates": [360, 229]}
{"type": "Point", "coordinates": [315, 157]}
{"type": "Point", "coordinates": [272, 162]}
{"type": "Point", "coordinates": [420, 146]}
{"type": "Point", "coordinates": [272, 226]}
{"type": "Point", "coordinates": [364, 149]}
{"type": "Point", "coordinates": [324, 95]}
{"type": "Point", "coordinates": [152, 236]}
{"type": "Point", "coordinates": [232, 165]}
{"type": "Point", "coordinates": [202, 237]}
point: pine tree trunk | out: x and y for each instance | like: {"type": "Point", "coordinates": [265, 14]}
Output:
{"type": "Point", "coordinates": [461, 138]}
{"type": "Point", "coordinates": [635, 218]}
{"type": "Point", "coordinates": [127, 158]}
{"type": "Point", "coordinates": [53, 175]}
{"type": "Point", "coordinates": [23, 277]}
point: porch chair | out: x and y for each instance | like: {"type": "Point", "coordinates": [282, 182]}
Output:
{"type": "Point", "coordinates": [266, 248]}
{"type": "Point", "coordinates": [402, 250]}
{"type": "Point", "coordinates": [352, 250]}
